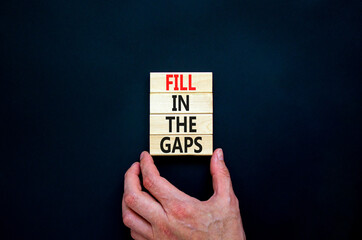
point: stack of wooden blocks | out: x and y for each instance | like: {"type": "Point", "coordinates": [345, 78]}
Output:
{"type": "Point", "coordinates": [181, 111]}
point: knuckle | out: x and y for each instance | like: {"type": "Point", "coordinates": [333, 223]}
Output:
{"type": "Point", "coordinates": [148, 182]}
{"type": "Point", "coordinates": [179, 210]}
{"type": "Point", "coordinates": [225, 172]}
{"type": "Point", "coordinates": [126, 174]}
{"type": "Point", "coordinates": [226, 198]}
{"type": "Point", "coordinates": [230, 201]}
{"type": "Point", "coordinates": [130, 199]}
{"type": "Point", "coordinates": [166, 231]}
{"type": "Point", "coordinates": [234, 201]}
{"type": "Point", "coordinates": [133, 235]}
{"type": "Point", "coordinates": [127, 220]}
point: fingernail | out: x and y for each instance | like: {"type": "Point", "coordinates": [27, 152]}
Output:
{"type": "Point", "coordinates": [142, 155]}
{"type": "Point", "coordinates": [220, 155]}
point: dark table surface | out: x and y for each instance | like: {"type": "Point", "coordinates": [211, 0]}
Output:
{"type": "Point", "coordinates": [74, 111]}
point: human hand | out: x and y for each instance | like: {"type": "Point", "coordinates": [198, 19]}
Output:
{"type": "Point", "coordinates": [176, 215]}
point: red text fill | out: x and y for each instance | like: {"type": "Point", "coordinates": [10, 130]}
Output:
{"type": "Point", "coordinates": [182, 83]}
{"type": "Point", "coordinates": [176, 84]}
{"type": "Point", "coordinates": [168, 81]}
{"type": "Point", "coordinates": [190, 84]}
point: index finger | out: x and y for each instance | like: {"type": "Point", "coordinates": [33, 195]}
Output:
{"type": "Point", "coordinates": [158, 186]}
{"type": "Point", "coordinates": [140, 202]}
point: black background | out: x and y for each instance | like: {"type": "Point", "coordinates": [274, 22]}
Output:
{"type": "Point", "coordinates": [74, 111]}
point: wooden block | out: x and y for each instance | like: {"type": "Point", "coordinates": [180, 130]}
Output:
{"type": "Point", "coordinates": [181, 145]}
{"type": "Point", "coordinates": [181, 107]}
{"type": "Point", "coordinates": [180, 103]}
{"type": "Point", "coordinates": [181, 124]}
{"type": "Point", "coordinates": [181, 82]}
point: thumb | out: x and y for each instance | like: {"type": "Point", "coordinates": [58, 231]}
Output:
{"type": "Point", "coordinates": [221, 181]}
